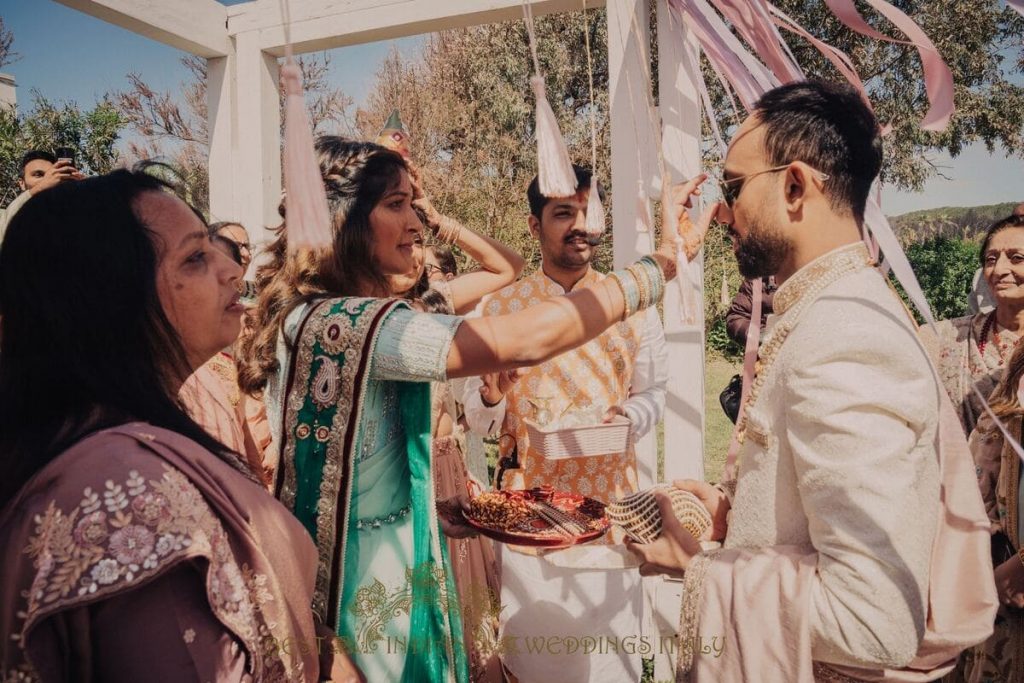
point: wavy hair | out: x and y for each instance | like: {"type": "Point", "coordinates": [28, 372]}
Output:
{"type": "Point", "coordinates": [356, 175]}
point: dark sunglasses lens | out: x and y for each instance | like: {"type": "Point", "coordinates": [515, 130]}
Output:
{"type": "Point", "coordinates": [728, 193]}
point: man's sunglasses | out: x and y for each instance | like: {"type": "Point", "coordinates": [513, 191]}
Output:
{"type": "Point", "coordinates": [732, 187]}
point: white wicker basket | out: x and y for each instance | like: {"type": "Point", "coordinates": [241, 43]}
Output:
{"type": "Point", "coordinates": [576, 442]}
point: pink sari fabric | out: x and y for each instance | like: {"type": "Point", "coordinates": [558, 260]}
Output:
{"type": "Point", "coordinates": [213, 399]}
{"type": "Point", "coordinates": [208, 555]}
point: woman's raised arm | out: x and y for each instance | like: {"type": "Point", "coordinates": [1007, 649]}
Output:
{"type": "Point", "coordinates": [499, 265]}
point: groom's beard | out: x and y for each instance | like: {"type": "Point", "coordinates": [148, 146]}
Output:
{"type": "Point", "coordinates": [762, 252]}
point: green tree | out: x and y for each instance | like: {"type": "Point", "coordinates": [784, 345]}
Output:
{"type": "Point", "coordinates": [47, 125]}
{"type": "Point", "coordinates": [945, 269]}
{"type": "Point", "coordinates": [172, 128]}
{"type": "Point", "coordinates": [7, 53]}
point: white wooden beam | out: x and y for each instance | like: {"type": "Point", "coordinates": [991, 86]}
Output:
{"type": "Point", "coordinates": [257, 147]}
{"type": "Point", "coordinates": [327, 24]}
{"type": "Point", "coordinates": [196, 26]}
{"type": "Point", "coordinates": [630, 139]}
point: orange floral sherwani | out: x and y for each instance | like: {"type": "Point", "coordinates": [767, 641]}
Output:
{"type": "Point", "coordinates": [598, 373]}
{"type": "Point", "coordinates": [586, 592]}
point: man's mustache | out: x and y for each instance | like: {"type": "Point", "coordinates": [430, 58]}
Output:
{"type": "Point", "coordinates": [592, 240]}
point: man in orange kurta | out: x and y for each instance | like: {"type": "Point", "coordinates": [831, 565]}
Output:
{"type": "Point", "coordinates": [562, 608]}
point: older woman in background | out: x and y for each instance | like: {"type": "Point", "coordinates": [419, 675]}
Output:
{"type": "Point", "coordinates": [973, 350]}
{"type": "Point", "coordinates": [1001, 657]}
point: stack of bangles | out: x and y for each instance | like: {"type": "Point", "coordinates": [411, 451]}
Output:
{"type": "Point", "coordinates": [448, 230]}
{"type": "Point", "coordinates": [642, 285]}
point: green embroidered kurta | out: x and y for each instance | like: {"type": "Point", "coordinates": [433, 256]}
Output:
{"type": "Point", "coordinates": [351, 415]}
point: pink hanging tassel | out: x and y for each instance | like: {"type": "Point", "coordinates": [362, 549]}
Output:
{"type": "Point", "coordinates": [724, 298]}
{"type": "Point", "coordinates": [308, 220]}
{"type": "Point", "coordinates": [554, 167]}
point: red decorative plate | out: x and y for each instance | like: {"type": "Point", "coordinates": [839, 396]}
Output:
{"type": "Point", "coordinates": [527, 517]}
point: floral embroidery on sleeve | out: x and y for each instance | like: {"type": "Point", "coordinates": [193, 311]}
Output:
{"type": "Point", "coordinates": [129, 531]}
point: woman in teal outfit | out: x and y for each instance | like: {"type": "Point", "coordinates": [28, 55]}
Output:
{"type": "Point", "coordinates": [345, 367]}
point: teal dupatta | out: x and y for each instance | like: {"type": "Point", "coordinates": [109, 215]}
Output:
{"type": "Point", "coordinates": [321, 434]}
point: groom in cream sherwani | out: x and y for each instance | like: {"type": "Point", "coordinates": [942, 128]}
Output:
{"type": "Point", "coordinates": [827, 570]}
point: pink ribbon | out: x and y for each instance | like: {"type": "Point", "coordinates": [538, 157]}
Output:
{"type": "Point", "coordinates": [752, 20]}
{"type": "Point", "coordinates": [938, 79]}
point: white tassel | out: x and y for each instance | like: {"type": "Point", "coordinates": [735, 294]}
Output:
{"type": "Point", "coordinates": [554, 167]}
{"type": "Point", "coordinates": [595, 211]}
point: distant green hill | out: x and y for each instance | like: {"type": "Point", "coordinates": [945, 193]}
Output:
{"type": "Point", "coordinates": [963, 222]}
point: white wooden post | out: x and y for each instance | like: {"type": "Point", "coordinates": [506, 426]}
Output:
{"type": "Point", "coordinates": [221, 108]}
{"type": "Point", "coordinates": [684, 415]}
{"type": "Point", "coordinates": [634, 179]}
{"type": "Point", "coordinates": [681, 131]}
{"type": "Point", "coordinates": [631, 140]}
{"type": "Point", "coordinates": [257, 159]}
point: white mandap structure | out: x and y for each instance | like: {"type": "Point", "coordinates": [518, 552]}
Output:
{"type": "Point", "coordinates": [243, 43]}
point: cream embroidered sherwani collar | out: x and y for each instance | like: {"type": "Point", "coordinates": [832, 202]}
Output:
{"type": "Point", "coordinates": [823, 270]}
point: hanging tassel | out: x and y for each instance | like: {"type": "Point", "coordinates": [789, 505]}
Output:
{"type": "Point", "coordinates": [308, 220]}
{"type": "Point", "coordinates": [725, 298]}
{"type": "Point", "coordinates": [554, 167]}
{"type": "Point", "coordinates": [595, 210]}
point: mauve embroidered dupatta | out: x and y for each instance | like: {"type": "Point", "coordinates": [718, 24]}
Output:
{"type": "Point", "coordinates": [125, 505]}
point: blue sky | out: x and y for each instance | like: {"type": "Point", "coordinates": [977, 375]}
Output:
{"type": "Point", "coordinates": [67, 55]}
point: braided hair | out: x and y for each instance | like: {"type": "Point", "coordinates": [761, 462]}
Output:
{"type": "Point", "coordinates": [356, 175]}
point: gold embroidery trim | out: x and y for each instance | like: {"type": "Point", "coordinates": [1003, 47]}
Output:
{"type": "Point", "coordinates": [693, 589]}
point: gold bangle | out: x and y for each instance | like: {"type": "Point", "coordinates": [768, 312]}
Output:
{"type": "Point", "coordinates": [643, 284]}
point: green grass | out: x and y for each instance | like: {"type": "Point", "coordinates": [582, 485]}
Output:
{"type": "Point", "coordinates": [717, 427]}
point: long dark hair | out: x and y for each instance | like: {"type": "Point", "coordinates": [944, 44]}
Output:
{"type": "Point", "coordinates": [84, 341]}
{"type": "Point", "coordinates": [356, 175]}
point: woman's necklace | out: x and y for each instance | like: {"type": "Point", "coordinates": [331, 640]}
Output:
{"type": "Point", "coordinates": [1001, 348]}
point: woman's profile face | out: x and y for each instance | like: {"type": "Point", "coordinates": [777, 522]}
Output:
{"type": "Point", "coordinates": [1004, 266]}
{"type": "Point", "coordinates": [195, 281]}
{"type": "Point", "coordinates": [397, 232]}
